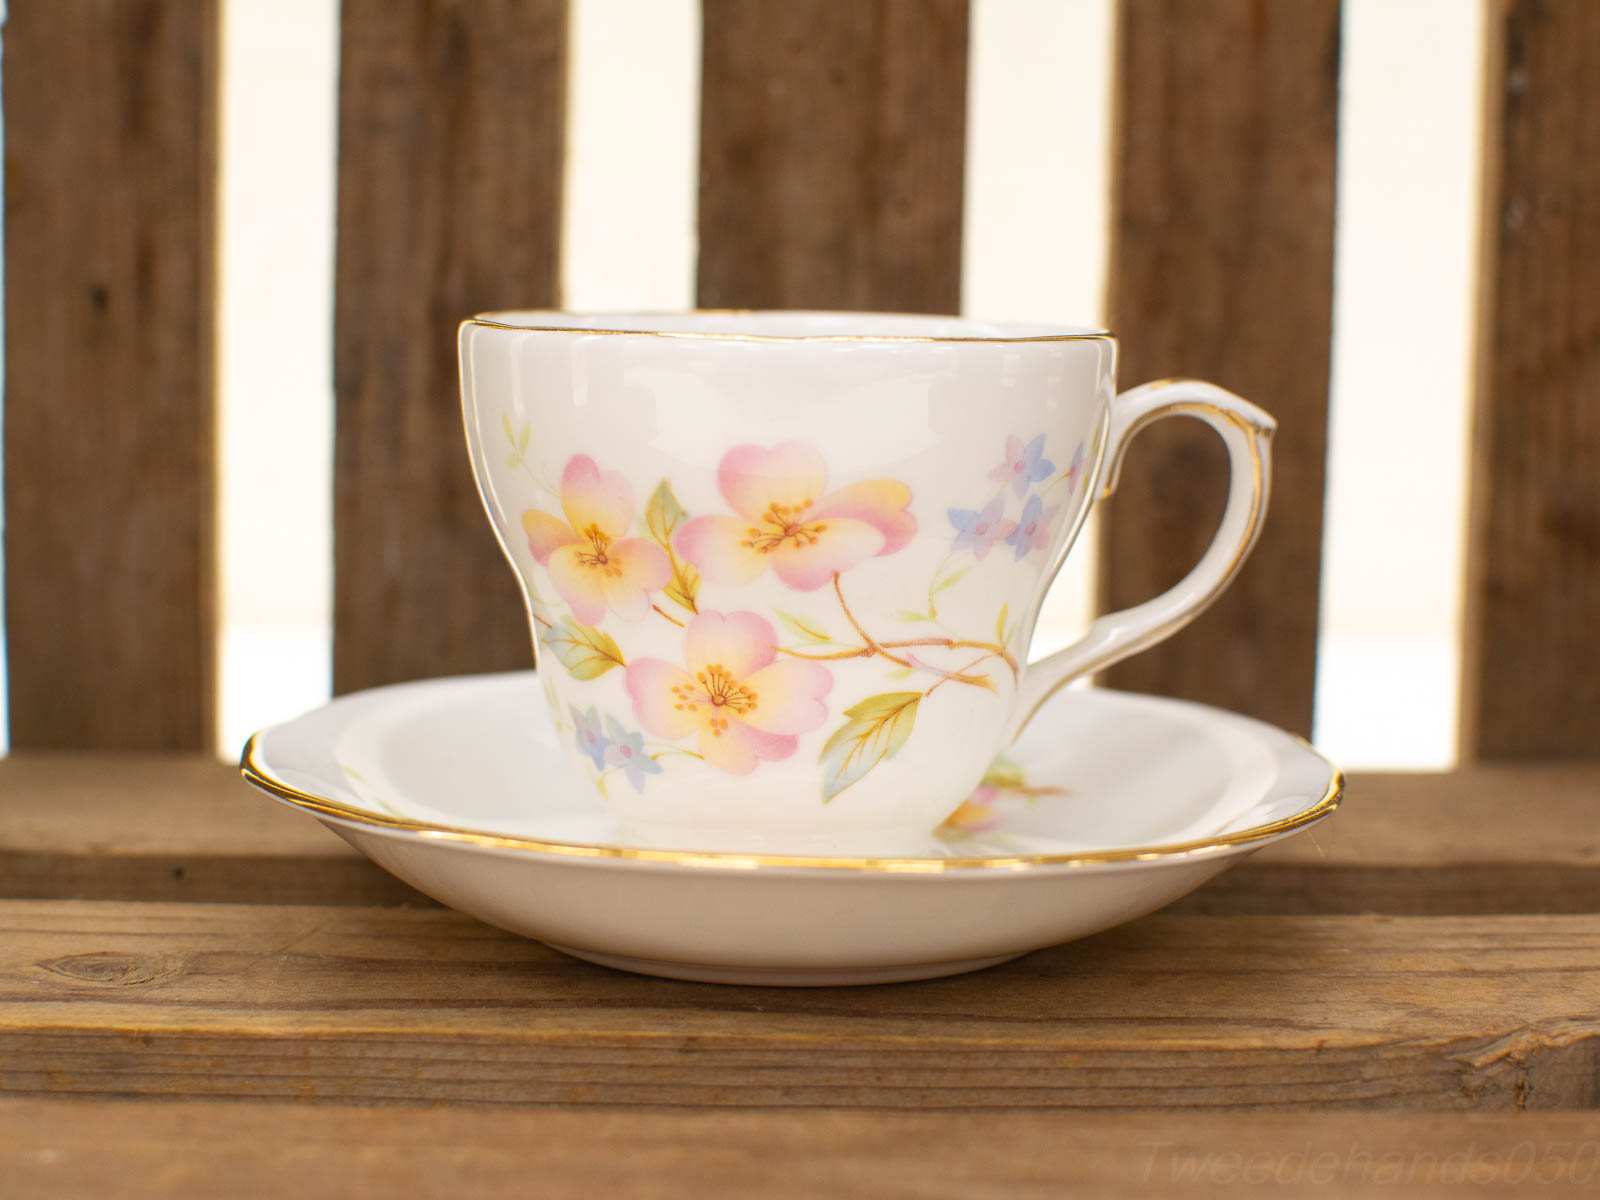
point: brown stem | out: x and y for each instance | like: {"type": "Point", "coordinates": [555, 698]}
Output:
{"type": "Point", "coordinates": [994, 648]}
{"type": "Point", "coordinates": [542, 621]}
{"type": "Point", "coordinates": [667, 615]}
{"type": "Point", "coordinates": [961, 676]}
{"type": "Point", "coordinates": [873, 646]}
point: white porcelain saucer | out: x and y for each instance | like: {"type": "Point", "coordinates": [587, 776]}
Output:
{"type": "Point", "coordinates": [1109, 806]}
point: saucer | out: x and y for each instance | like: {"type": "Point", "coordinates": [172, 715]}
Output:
{"type": "Point", "coordinates": [1109, 806]}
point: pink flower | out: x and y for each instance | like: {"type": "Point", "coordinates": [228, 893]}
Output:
{"type": "Point", "coordinates": [783, 524]}
{"type": "Point", "coordinates": [591, 561]}
{"type": "Point", "coordinates": [744, 704]}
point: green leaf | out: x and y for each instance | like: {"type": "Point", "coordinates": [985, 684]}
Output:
{"type": "Point", "coordinates": [809, 630]}
{"type": "Point", "coordinates": [505, 423]}
{"type": "Point", "coordinates": [906, 616]}
{"type": "Point", "coordinates": [684, 586]}
{"type": "Point", "coordinates": [1000, 623]}
{"type": "Point", "coordinates": [583, 650]}
{"type": "Point", "coordinates": [522, 439]}
{"type": "Point", "coordinates": [661, 517]}
{"type": "Point", "coordinates": [663, 514]}
{"type": "Point", "coordinates": [878, 727]}
{"type": "Point", "coordinates": [1004, 772]}
{"type": "Point", "coordinates": [950, 580]}
{"type": "Point", "coordinates": [898, 673]}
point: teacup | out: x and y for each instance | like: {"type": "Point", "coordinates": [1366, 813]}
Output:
{"type": "Point", "coordinates": [783, 568]}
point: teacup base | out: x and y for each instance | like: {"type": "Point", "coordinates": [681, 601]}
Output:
{"type": "Point", "coordinates": [868, 843]}
{"type": "Point", "coordinates": [784, 976]}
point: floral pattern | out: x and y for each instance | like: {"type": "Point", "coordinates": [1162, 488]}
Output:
{"type": "Point", "coordinates": [995, 797]}
{"type": "Point", "coordinates": [627, 754]}
{"type": "Point", "coordinates": [1024, 465]}
{"type": "Point", "coordinates": [734, 697]}
{"type": "Point", "coordinates": [783, 525]}
{"type": "Point", "coordinates": [1032, 530]}
{"type": "Point", "coordinates": [589, 735]}
{"type": "Point", "coordinates": [740, 703]}
{"type": "Point", "coordinates": [979, 531]}
{"type": "Point", "coordinates": [592, 563]}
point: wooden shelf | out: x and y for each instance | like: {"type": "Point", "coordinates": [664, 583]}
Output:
{"type": "Point", "coordinates": [355, 1003]}
{"type": "Point", "coordinates": [169, 933]}
{"type": "Point", "coordinates": [1479, 840]}
{"type": "Point", "coordinates": [243, 1151]}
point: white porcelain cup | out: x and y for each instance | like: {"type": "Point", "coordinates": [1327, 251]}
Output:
{"type": "Point", "coordinates": [783, 568]}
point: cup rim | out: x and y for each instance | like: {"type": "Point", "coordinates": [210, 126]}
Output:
{"type": "Point", "coordinates": [615, 324]}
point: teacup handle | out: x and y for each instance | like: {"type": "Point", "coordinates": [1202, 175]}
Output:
{"type": "Point", "coordinates": [1247, 433]}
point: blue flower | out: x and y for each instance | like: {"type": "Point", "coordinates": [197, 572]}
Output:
{"type": "Point", "coordinates": [1024, 465]}
{"type": "Point", "coordinates": [626, 751]}
{"type": "Point", "coordinates": [979, 531]}
{"type": "Point", "coordinates": [1032, 531]}
{"type": "Point", "coordinates": [587, 734]}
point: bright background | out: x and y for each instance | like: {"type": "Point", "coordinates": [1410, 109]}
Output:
{"type": "Point", "coordinates": [1034, 249]}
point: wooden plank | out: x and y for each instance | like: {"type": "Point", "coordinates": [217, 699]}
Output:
{"type": "Point", "coordinates": [110, 124]}
{"type": "Point", "coordinates": [190, 1149]}
{"type": "Point", "coordinates": [1531, 679]}
{"type": "Point", "coordinates": [1490, 839]}
{"type": "Point", "coordinates": [1480, 840]}
{"type": "Point", "coordinates": [1435, 1014]}
{"type": "Point", "coordinates": [1221, 268]}
{"type": "Point", "coordinates": [831, 154]}
{"type": "Point", "coordinates": [150, 828]}
{"type": "Point", "coordinates": [450, 133]}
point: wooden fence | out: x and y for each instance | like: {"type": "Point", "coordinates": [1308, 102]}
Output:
{"type": "Point", "coordinates": [832, 145]}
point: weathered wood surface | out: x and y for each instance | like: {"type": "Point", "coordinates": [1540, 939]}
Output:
{"type": "Point", "coordinates": [1221, 268]}
{"type": "Point", "coordinates": [450, 132]}
{"type": "Point", "coordinates": [1434, 1013]}
{"type": "Point", "coordinates": [110, 130]}
{"type": "Point", "coordinates": [172, 1151]}
{"type": "Point", "coordinates": [1478, 840]}
{"type": "Point", "coordinates": [1490, 839]}
{"type": "Point", "coordinates": [831, 154]}
{"type": "Point", "coordinates": [1531, 679]}
{"type": "Point", "coordinates": [169, 828]}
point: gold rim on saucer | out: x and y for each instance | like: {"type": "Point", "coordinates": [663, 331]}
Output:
{"type": "Point", "coordinates": [256, 773]}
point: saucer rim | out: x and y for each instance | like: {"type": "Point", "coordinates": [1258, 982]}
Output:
{"type": "Point", "coordinates": [260, 775]}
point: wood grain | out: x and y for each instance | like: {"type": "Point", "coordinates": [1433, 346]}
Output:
{"type": "Point", "coordinates": [169, 828]}
{"type": "Point", "coordinates": [1484, 839]}
{"type": "Point", "coordinates": [450, 133]}
{"type": "Point", "coordinates": [1435, 1014]}
{"type": "Point", "coordinates": [188, 1149]}
{"type": "Point", "coordinates": [110, 125]}
{"type": "Point", "coordinates": [1489, 839]}
{"type": "Point", "coordinates": [831, 154]}
{"type": "Point", "coordinates": [1221, 268]}
{"type": "Point", "coordinates": [1531, 678]}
